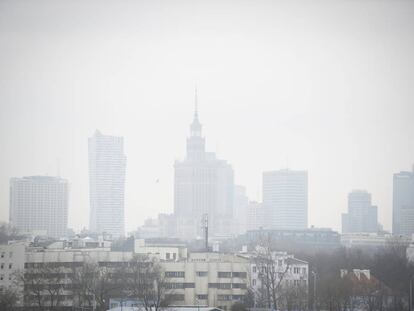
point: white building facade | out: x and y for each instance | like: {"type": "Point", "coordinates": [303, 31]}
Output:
{"type": "Point", "coordinates": [39, 205]}
{"type": "Point", "coordinates": [107, 165]}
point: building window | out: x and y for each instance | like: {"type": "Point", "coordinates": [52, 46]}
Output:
{"type": "Point", "coordinates": [238, 297]}
{"type": "Point", "coordinates": [241, 275]}
{"type": "Point", "coordinates": [2, 254]}
{"type": "Point", "coordinates": [254, 282]}
{"type": "Point", "coordinates": [202, 297]}
{"type": "Point", "coordinates": [303, 270]}
{"type": "Point", "coordinates": [1, 277]}
{"type": "Point", "coordinates": [10, 254]}
{"type": "Point", "coordinates": [223, 297]}
{"type": "Point", "coordinates": [296, 270]}
{"type": "Point", "coordinates": [220, 285]}
{"type": "Point", "coordinates": [167, 256]}
{"type": "Point", "coordinates": [174, 285]}
{"type": "Point", "coordinates": [175, 274]}
{"type": "Point", "coordinates": [175, 297]}
{"type": "Point", "coordinates": [224, 274]}
{"type": "Point", "coordinates": [201, 273]}
{"type": "Point", "coordinates": [224, 285]}
{"type": "Point", "coordinates": [254, 269]}
{"type": "Point", "coordinates": [10, 265]}
{"type": "Point", "coordinates": [239, 285]}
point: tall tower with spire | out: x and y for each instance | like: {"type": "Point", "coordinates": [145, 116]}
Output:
{"type": "Point", "coordinates": [203, 184]}
{"type": "Point", "coordinates": [195, 143]}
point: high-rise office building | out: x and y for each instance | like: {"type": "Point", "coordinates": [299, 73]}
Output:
{"type": "Point", "coordinates": [403, 203]}
{"type": "Point", "coordinates": [39, 205]}
{"type": "Point", "coordinates": [203, 185]}
{"type": "Point", "coordinates": [285, 199]}
{"type": "Point", "coordinates": [362, 216]}
{"type": "Point", "coordinates": [107, 164]}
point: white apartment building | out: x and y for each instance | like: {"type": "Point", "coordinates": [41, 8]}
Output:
{"type": "Point", "coordinates": [107, 165]}
{"type": "Point", "coordinates": [39, 205]}
{"type": "Point", "coordinates": [208, 279]}
{"type": "Point", "coordinates": [289, 270]}
{"type": "Point", "coordinates": [285, 199]}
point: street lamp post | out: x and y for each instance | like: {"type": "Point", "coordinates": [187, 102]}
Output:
{"type": "Point", "coordinates": [410, 300]}
{"type": "Point", "coordinates": [314, 291]}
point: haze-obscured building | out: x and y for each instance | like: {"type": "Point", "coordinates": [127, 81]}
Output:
{"type": "Point", "coordinates": [285, 199]}
{"type": "Point", "coordinates": [255, 216]}
{"type": "Point", "coordinates": [203, 185]}
{"type": "Point", "coordinates": [107, 165]}
{"type": "Point", "coordinates": [39, 205]}
{"type": "Point", "coordinates": [311, 239]}
{"type": "Point", "coordinates": [403, 203]}
{"type": "Point", "coordinates": [362, 216]}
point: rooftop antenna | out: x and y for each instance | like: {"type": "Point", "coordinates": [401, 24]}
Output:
{"type": "Point", "coordinates": [195, 101]}
{"type": "Point", "coordinates": [205, 226]}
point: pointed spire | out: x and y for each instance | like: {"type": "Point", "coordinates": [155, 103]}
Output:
{"type": "Point", "coordinates": [196, 125]}
{"type": "Point", "coordinates": [195, 102]}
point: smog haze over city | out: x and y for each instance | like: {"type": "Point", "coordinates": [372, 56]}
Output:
{"type": "Point", "coordinates": [320, 86]}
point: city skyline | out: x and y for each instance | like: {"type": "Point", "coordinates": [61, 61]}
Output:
{"type": "Point", "coordinates": [192, 153]}
{"type": "Point", "coordinates": [277, 87]}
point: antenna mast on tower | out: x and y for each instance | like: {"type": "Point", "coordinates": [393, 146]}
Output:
{"type": "Point", "coordinates": [205, 227]}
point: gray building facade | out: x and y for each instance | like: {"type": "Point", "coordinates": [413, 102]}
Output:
{"type": "Point", "coordinates": [39, 205]}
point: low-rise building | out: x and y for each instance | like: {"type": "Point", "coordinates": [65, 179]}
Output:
{"type": "Point", "coordinates": [311, 238]}
{"type": "Point", "coordinates": [288, 270]}
{"type": "Point", "coordinates": [198, 279]}
{"type": "Point", "coordinates": [371, 241]}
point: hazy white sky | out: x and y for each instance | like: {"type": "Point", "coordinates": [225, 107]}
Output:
{"type": "Point", "coordinates": [326, 86]}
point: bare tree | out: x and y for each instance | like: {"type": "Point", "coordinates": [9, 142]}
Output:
{"type": "Point", "coordinates": [335, 293]}
{"type": "Point", "coordinates": [103, 283]}
{"type": "Point", "coordinates": [145, 280]}
{"type": "Point", "coordinates": [272, 271]}
{"type": "Point", "coordinates": [43, 285]}
{"type": "Point", "coordinates": [8, 299]}
{"type": "Point", "coordinates": [82, 284]}
{"type": "Point", "coordinates": [294, 297]}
